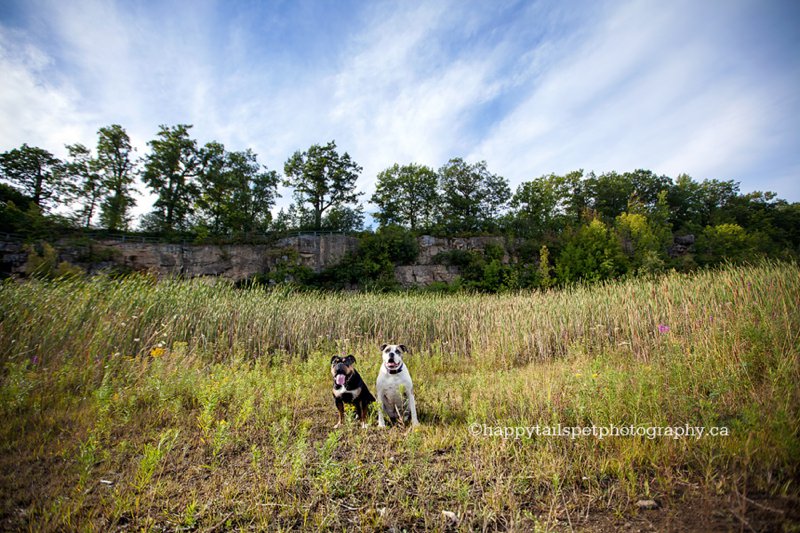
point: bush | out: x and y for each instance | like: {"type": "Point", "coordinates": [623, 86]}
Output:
{"type": "Point", "coordinates": [43, 263]}
{"type": "Point", "coordinates": [725, 242]}
{"type": "Point", "coordinates": [593, 253]}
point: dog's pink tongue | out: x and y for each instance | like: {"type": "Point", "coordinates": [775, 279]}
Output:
{"type": "Point", "coordinates": [340, 379]}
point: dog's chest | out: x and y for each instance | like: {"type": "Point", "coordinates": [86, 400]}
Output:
{"type": "Point", "coordinates": [346, 395]}
{"type": "Point", "coordinates": [393, 387]}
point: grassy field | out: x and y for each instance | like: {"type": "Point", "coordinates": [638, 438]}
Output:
{"type": "Point", "coordinates": [179, 405]}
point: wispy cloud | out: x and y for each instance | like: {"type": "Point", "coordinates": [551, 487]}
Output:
{"type": "Point", "coordinates": [703, 88]}
{"type": "Point", "coordinates": [659, 87]}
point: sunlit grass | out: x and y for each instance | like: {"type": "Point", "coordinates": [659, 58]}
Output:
{"type": "Point", "coordinates": [188, 404]}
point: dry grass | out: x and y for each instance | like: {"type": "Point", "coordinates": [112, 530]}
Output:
{"type": "Point", "coordinates": [181, 405]}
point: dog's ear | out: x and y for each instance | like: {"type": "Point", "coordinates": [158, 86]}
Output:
{"type": "Point", "coordinates": [383, 346]}
{"type": "Point", "coordinates": [351, 359]}
{"type": "Point", "coordinates": [403, 347]}
{"type": "Point", "coordinates": [333, 358]}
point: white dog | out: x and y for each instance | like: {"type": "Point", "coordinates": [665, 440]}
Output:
{"type": "Point", "coordinates": [394, 387]}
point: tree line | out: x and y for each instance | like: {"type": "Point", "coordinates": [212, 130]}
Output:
{"type": "Point", "coordinates": [576, 226]}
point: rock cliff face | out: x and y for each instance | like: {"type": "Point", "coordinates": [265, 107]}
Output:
{"type": "Point", "coordinates": [239, 262]}
{"type": "Point", "coordinates": [236, 262]}
{"type": "Point", "coordinates": [426, 271]}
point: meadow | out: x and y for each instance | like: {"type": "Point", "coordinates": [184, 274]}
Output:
{"type": "Point", "coordinates": [177, 405]}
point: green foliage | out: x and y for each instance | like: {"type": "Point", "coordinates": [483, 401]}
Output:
{"type": "Point", "coordinates": [117, 169]}
{"type": "Point", "coordinates": [547, 205]}
{"type": "Point", "coordinates": [236, 194]}
{"type": "Point", "coordinates": [408, 196]}
{"type": "Point", "coordinates": [322, 179]}
{"type": "Point", "coordinates": [726, 242]}
{"type": "Point", "coordinates": [372, 265]}
{"type": "Point", "coordinates": [213, 195]}
{"type": "Point", "coordinates": [593, 253]}
{"type": "Point", "coordinates": [82, 168]}
{"type": "Point", "coordinates": [473, 198]}
{"type": "Point", "coordinates": [43, 263]}
{"type": "Point", "coordinates": [483, 271]}
{"type": "Point", "coordinates": [170, 171]}
{"type": "Point", "coordinates": [644, 245]}
{"type": "Point", "coordinates": [36, 173]}
{"type": "Point", "coordinates": [545, 280]}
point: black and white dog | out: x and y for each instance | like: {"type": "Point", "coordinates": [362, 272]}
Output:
{"type": "Point", "coordinates": [394, 386]}
{"type": "Point", "coordinates": [348, 387]}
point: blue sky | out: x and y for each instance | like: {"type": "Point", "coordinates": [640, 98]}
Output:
{"type": "Point", "coordinates": [704, 87]}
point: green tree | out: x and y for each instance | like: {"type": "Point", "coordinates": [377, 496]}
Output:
{"type": "Point", "coordinates": [547, 205]}
{"type": "Point", "coordinates": [344, 218]}
{"type": "Point", "coordinates": [645, 234]}
{"type": "Point", "coordinates": [89, 187]}
{"type": "Point", "coordinates": [214, 199]}
{"type": "Point", "coordinates": [722, 242]}
{"type": "Point", "coordinates": [610, 193]}
{"type": "Point", "coordinates": [473, 198]}
{"type": "Point", "coordinates": [322, 179]}
{"type": "Point", "coordinates": [170, 171]}
{"type": "Point", "coordinates": [545, 280]}
{"type": "Point", "coordinates": [236, 192]}
{"type": "Point", "coordinates": [643, 247]}
{"type": "Point", "coordinates": [255, 191]}
{"type": "Point", "coordinates": [117, 169]}
{"type": "Point", "coordinates": [407, 196]}
{"type": "Point", "coordinates": [36, 172]}
{"type": "Point", "coordinates": [695, 205]}
{"type": "Point", "coordinates": [592, 253]}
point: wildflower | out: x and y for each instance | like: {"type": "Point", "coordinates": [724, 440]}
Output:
{"type": "Point", "coordinates": [35, 360]}
{"type": "Point", "coordinates": [594, 376]}
{"type": "Point", "coordinates": [157, 352]}
{"type": "Point", "coordinates": [663, 328]}
{"type": "Point", "coordinates": [137, 339]}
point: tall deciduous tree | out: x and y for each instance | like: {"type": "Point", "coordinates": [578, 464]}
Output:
{"type": "Point", "coordinates": [89, 188]}
{"type": "Point", "coordinates": [170, 171]}
{"type": "Point", "coordinates": [322, 179]}
{"type": "Point", "coordinates": [542, 205]}
{"type": "Point", "coordinates": [36, 172]}
{"type": "Point", "coordinates": [473, 197]}
{"type": "Point", "coordinates": [254, 192]}
{"type": "Point", "coordinates": [236, 192]}
{"type": "Point", "coordinates": [117, 168]}
{"type": "Point", "coordinates": [407, 196]}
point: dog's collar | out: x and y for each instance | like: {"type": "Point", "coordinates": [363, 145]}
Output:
{"type": "Point", "coordinates": [396, 370]}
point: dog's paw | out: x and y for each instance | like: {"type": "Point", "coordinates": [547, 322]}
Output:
{"type": "Point", "coordinates": [364, 425]}
{"type": "Point", "coordinates": [338, 425]}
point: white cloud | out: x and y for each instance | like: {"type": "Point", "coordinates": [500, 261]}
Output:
{"type": "Point", "coordinates": [613, 87]}
{"type": "Point", "coordinates": [34, 110]}
{"type": "Point", "coordinates": [652, 87]}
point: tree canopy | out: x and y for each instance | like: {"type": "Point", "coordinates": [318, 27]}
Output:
{"type": "Point", "coordinates": [322, 179]}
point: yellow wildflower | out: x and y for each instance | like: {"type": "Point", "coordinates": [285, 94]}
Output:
{"type": "Point", "coordinates": [157, 352]}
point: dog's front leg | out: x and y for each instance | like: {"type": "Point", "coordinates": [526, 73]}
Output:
{"type": "Point", "coordinates": [340, 407]}
{"type": "Point", "coordinates": [412, 406]}
{"type": "Point", "coordinates": [362, 414]}
{"type": "Point", "coordinates": [381, 423]}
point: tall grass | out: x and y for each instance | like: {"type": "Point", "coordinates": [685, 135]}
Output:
{"type": "Point", "coordinates": [202, 405]}
{"type": "Point", "coordinates": [100, 317]}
